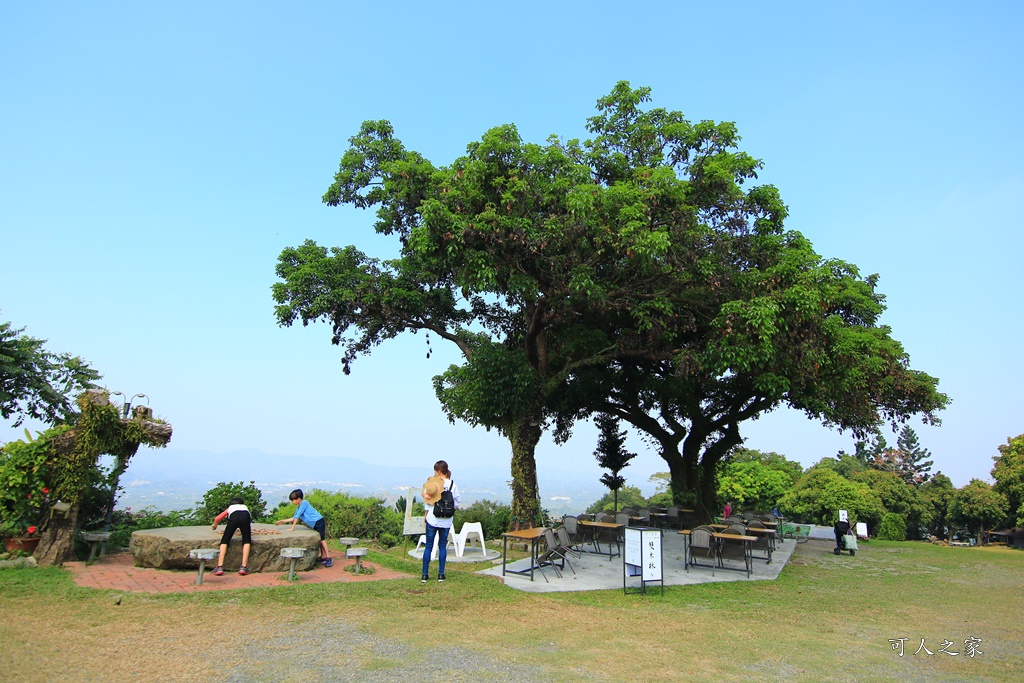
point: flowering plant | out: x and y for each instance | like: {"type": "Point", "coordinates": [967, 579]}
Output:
{"type": "Point", "coordinates": [23, 492]}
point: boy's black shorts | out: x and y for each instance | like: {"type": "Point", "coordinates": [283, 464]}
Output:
{"type": "Point", "coordinates": [239, 519]}
{"type": "Point", "coordinates": [321, 526]}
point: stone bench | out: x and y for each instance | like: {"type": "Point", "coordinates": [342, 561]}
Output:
{"type": "Point", "coordinates": [203, 554]}
{"type": "Point", "coordinates": [357, 553]}
{"type": "Point", "coordinates": [292, 554]}
{"type": "Point", "coordinates": [95, 541]}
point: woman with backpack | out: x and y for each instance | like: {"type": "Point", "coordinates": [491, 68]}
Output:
{"type": "Point", "coordinates": [441, 498]}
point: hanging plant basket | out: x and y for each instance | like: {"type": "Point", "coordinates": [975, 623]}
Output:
{"type": "Point", "coordinates": [25, 544]}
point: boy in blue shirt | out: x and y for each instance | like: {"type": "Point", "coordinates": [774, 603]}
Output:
{"type": "Point", "coordinates": [307, 514]}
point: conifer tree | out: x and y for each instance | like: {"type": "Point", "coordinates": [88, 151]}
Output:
{"type": "Point", "coordinates": [914, 465]}
{"type": "Point", "coordinates": [611, 455]}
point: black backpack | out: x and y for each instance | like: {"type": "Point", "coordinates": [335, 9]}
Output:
{"type": "Point", "coordinates": [445, 507]}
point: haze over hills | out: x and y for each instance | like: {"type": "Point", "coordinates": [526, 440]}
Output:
{"type": "Point", "coordinates": [176, 479]}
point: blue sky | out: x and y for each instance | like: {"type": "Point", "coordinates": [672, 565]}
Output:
{"type": "Point", "coordinates": [156, 158]}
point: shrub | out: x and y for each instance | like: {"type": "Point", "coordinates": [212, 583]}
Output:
{"type": "Point", "coordinates": [494, 517]}
{"type": "Point", "coordinates": [892, 528]}
{"type": "Point", "coordinates": [629, 496]}
{"type": "Point", "coordinates": [217, 499]}
{"type": "Point", "coordinates": [348, 515]}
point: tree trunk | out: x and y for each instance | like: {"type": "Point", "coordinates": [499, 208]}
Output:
{"type": "Point", "coordinates": [524, 438]}
{"type": "Point", "coordinates": [682, 480]}
{"type": "Point", "coordinates": [57, 541]}
{"type": "Point", "coordinates": [728, 437]}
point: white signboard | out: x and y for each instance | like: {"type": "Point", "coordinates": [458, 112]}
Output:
{"type": "Point", "coordinates": [632, 553]}
{"type": "Point", "coordinates": [650, 552]}
{"type": "Point", "coordinates": [642, 554]}
{"type": "Point", "coordinates": [413, 526]}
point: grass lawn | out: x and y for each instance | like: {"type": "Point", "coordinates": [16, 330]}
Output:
{"type": "Point", "coordinates": [826, 618]}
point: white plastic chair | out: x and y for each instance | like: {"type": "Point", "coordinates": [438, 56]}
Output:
{"type": "Point", "coordinates": [468, 529]}
{"type": "Point", "coordinates": [437, 544]}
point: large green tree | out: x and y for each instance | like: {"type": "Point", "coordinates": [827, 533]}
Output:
{"type": "Point", "coordinates": [938, 491]}
{"type": "Point", "coordinates": [1008, 472]}
{"type": "Point", "coordinates": [821, 494]}
{"type": "Point", "coordinates": [537, 261]}
{"type": "Point", "coordinates": [978, 507]}
{"type": "Point", "coordinates": [38, 383]}
{"type": "Point", "coordinates": [632, 274]}
{"type": "Point", "coordinates": [754, 480]}
{"type": "Point", "coordinates": [901, 498]}
{"type": "Point", "coordinates": [777, 325]}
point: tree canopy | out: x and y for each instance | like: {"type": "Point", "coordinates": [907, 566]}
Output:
{"type": "Point", "coordinates": [38, 383]}
{"type": "Point", "coordinates": [821, 494]}
{"type": "Point", "coordinates": [633, 274]}
{"type": "Point", "coordinates": [978, 507]}
{"type": "Point", "coordinates": [1008, 472]}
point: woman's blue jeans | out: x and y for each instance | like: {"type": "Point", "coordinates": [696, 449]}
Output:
{"type": "Point", "coordinates": [442, 550]}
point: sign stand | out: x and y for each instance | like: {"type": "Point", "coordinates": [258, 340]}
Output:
{"type": "Point", "coordinates": [412, 526]}
{"type": "Point", "coordinates": [642, 557]}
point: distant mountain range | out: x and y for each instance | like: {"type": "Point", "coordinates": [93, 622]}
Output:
{"type": "Point", "coordinates": [175, 480]}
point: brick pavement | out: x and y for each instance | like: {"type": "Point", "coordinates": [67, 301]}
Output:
{"type": "Point", "coordinates": [118, 572]}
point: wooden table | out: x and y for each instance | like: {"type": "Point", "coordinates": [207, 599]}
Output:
{"type": "Point", "coordinates": [604, 526]}
{"type": "Point", "coordinates": [770, 533]}
{"type": "Point", "coordinates": [748, 549]}
{"type": "Point", "coordinates": [533, 536]}
{"type": "Point", "coordinates": [760, 533]}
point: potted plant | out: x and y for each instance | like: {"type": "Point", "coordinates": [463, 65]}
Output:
{"type": "Point", "coordinates": [26, 543]}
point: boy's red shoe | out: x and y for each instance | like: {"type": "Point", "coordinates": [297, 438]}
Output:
{"type": "Point", "coordinates": [243, 571]}
{"type": "Point", "coordinates": [218, 571]}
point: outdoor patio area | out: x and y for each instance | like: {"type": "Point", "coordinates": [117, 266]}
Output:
{"type": "Point", "coordinates": [598, 572]}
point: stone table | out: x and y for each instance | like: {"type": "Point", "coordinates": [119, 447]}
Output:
{"type": "Point", "coordinates": [169, 548]}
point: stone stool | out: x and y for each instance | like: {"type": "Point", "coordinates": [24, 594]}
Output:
{"type": "Point", "coordinates": [348, 542]}
{"type": "Point", "coordinates": [357, 553]}
{"type": "Point", "coordinates": [95, 540]}
{"type": "Point", "coordinates": [203, 554]}
{"type": "Point", "coordinates": [292, 554]}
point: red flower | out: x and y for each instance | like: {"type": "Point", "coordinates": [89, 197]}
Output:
{"type": "Point", "coordinates": [46, 490]}
{"type": "Point", "coordinates": [32, 529]}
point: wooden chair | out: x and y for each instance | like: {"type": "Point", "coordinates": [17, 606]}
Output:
{"type": "Point", "coordinates": [702, 544]}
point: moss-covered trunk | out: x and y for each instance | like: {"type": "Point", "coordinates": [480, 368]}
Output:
{"type": "Point", "coordinates": [57, 541]}
{"type": "Point", "coordinates": [524, 437]}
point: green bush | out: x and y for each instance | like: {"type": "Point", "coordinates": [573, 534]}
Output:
{"type": "Point", "coordinates": [892, 528]}
{"type": "Point", "coordinates": [629, 496]}
{"type": "Point", "coordinates": [217, 499]}
{"type": "Point", "coordinates": [493, 517]}
{"type": "Point", "coordinates": [348, 515]}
